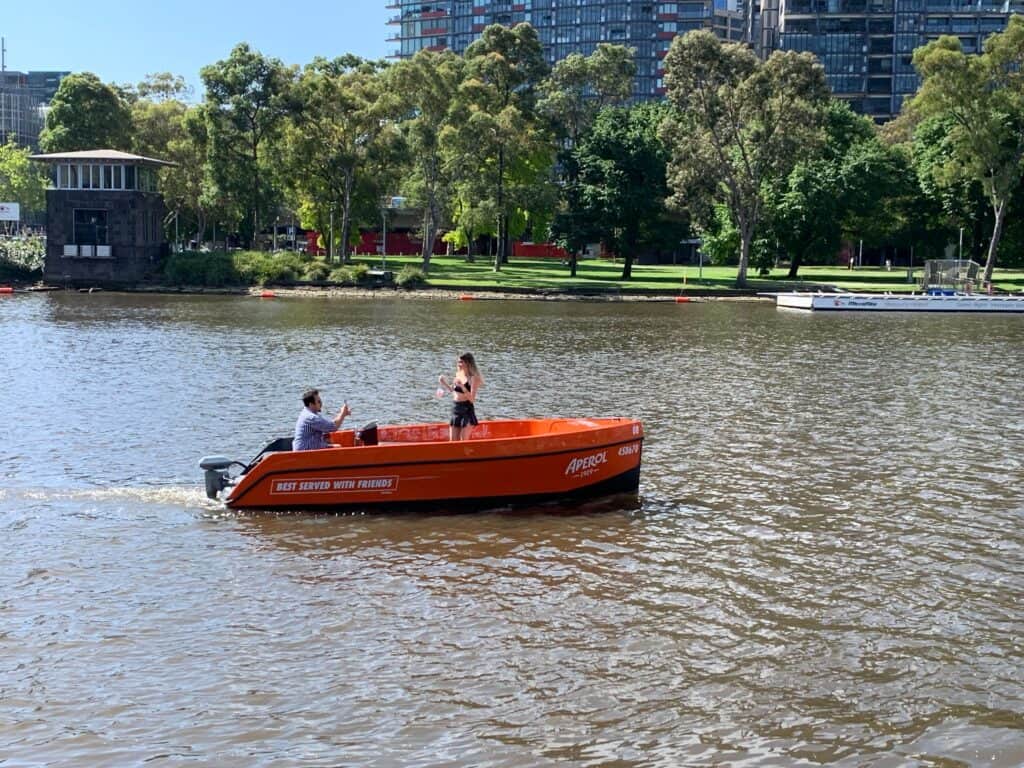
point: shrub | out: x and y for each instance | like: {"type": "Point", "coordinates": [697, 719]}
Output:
{"type": "Point", "coordinates": [359, 272]}
{"type": "Point", "coordinates": [410, 277]}
{"type": "Point", "coordinates": [194, 268]}
{"type": "Point", "coordinates": [341, 275]}
{"type": "Point", "coordinates": [22, 257]}
{"type": "Point", "coordinates": [259, 268]}
{"type": "Point", "coordinates": [317, 270]}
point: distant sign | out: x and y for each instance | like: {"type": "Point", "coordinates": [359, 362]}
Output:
{"type": "Point", "coordinates": [10, 212]}
{"type": "Point", "coordinates": [394, 202]}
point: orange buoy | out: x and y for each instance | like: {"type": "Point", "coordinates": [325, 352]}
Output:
{"type": "Point", "coordinates": [467, 297]}
{"type": "Point", "coordinates": [268, 295]}
{"type": "Point", "coordinates": [6, 289]}
{"type": "Point", "coordinates": [682, 299]}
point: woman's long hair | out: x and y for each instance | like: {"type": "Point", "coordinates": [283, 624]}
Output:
{"type": "Point", "coordinates": [471, 369]}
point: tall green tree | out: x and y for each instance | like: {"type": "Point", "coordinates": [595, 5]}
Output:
{"type": "Point", "coordinates": [982, 98]}
{"type": "Point", "coordinates": [740, 126]}
{"type": "Point", "coordinates": [424, 88]}
{"type": "Point", "coordinates": [86, 114]}
{"type": "Point", "coordinates": [338, 142]}
{"type": "Point", "coordinates": [578, 88]}
{"type": "Point", "coordinates": [843, 191]}
{"type": "Point", "coordinates": [622, 165]}
{"type": "Point", "coordinates": [498, 152]}
{"type": "Point", "coordinates": [248, 96]}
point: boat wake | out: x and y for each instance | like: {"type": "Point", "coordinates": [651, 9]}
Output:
{"type": "Point", "coordinates": [171, 495]}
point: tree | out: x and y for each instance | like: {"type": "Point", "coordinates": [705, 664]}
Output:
{"type": "Point", "coordinates": [739, 127]}
{"type": "Point", "coordinates": [578, 88]}
{"type": "Point", "coordinates": [338, 141]}
{"type": "Point", "coordinates": [164, 86]}
{"type": "Point", "coordinates": [21, 180]}
{"type": "Point", "coordinates": [425, 87]}
{"type": "Point", "coordinates": [842, 191]}
{"type": "Point", "coordinates": [498, 152]}
{"type": "Point", "coordinates": [622, 183]}
{"type": "Point", "coordinates": [86, 114]}
{"type": "Point", "coordinates": [982, 98]}
{"type": "Point", "coordinates": [247, 98]}
{"type": "Point", "coordinates": [581, 86]}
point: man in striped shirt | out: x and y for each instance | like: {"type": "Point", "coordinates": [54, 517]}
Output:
{"type": "Point", "coordinates": [311, 426]}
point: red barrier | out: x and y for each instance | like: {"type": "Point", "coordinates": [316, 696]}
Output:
{"type": "Point", "coordinates": [539, 251]}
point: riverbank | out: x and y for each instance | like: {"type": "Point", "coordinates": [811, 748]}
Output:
{"type": "Point", "coordinates": [544, 279]}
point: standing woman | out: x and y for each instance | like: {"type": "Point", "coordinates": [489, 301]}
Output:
{"type": "Point", "coordinates": [464, 387]}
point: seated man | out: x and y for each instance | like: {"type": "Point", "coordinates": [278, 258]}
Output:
{"type": "Point", "coordinates": [311, 426]}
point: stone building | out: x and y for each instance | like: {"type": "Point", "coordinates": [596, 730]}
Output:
{"type": "Point", "coordinates": [104, 217]}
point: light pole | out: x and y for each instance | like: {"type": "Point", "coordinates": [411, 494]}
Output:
{"type": "Point", "coordinates": [960, 251]}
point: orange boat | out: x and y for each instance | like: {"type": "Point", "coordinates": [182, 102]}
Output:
{"type": "Point", "coordinates": [417, 466]}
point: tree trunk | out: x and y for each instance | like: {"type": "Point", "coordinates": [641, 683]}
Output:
{"type": "Point", "coordinates": [627, 257]}
{"type": "Point", "coordinates": [794, 265]}
{"type": "Point", "coordinates": [573, 261]}
{"type": "Point", "coordinates": [499, 256]}
{"type": "Point", "coordinates": [429, 234]}
{"type": "Point", "coordinates": [346, 214]}
{"type": "Point", "coordinates": [746, 236]}
{"type": "Point", "coordinates": [255, 192]}
{"type": "Point", "coordinates": [997, 232]}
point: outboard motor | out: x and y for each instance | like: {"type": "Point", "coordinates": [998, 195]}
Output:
{"type": "Point", "coordinates": [216, 469]}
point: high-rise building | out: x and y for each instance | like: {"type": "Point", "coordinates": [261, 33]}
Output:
{"type": "Point", "coordinates": [563, 28]}
{"type": "Point", "coordinates": [23, 99]}
{"type": "Point", "coordinates": [866, 46]}
{"type": "Point", "coordinates": [21, 112]}
{"type": "Point", "coordinates": [44, 84]}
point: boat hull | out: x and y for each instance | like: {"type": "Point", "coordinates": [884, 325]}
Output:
{"type": "Point", "coordinates": [416, 467]}
{"type": "Point", "coordinates": [872, 302]}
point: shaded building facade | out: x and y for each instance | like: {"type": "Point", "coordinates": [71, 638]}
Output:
{"type": "Point", "coordinates": [104, 217]}
{"type": "Point", "coordinates": [21, 110]}
{"type": "Point", "coordinates": [563, 28]}
{"type": "Point", "coordinates": [23, 98]}
{"type": "Point", "coordinates": [866, 46]}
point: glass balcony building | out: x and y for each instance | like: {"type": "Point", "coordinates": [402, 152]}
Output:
{"type": "Point", "coordinates": [567, 27]}
{"type": "Point", "coordinates": [866, 46]}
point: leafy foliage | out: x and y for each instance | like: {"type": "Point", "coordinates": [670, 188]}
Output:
{"type": "Point", "coordinates": [22, 256]}
{"type": "Point", "coordinates": [740, 126]}
{"type": "Point", "coordinates": [410, 277]}
{"type": "Point", "coordinates": [621, 179]}
{"type": "Point", "coordinates": [21, 180]}
{"type": "Point", "coordinates": [247, 98]}
{"type": "Point", "coordinates": [86, 114]}
{"type": "Point", "coordinates": [981, 101]}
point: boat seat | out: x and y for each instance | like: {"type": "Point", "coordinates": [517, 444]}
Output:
{"type": "Point", "coordinates": [280, 444]}
{"type": "Point", "coordinates": [367, 434]}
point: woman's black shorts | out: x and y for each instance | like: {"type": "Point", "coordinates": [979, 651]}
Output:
{"type": "Point", "coordinates": [463, 415]}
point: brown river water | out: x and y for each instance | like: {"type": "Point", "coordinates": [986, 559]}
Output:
{"type": "Point", "coordinates": [824, 564]}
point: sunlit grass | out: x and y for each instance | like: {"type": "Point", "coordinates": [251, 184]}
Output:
{"type": "Point", "coordinates": [606, 276]}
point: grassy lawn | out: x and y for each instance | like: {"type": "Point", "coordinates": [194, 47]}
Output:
{"type": "Point", "coordinates": [605, 276]}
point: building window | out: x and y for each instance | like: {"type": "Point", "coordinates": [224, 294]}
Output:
{"type": "Point", "coordinates": [90, 227]}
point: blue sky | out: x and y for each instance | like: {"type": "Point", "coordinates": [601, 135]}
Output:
{"type": "Point", "coordinates": [123, 41]}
